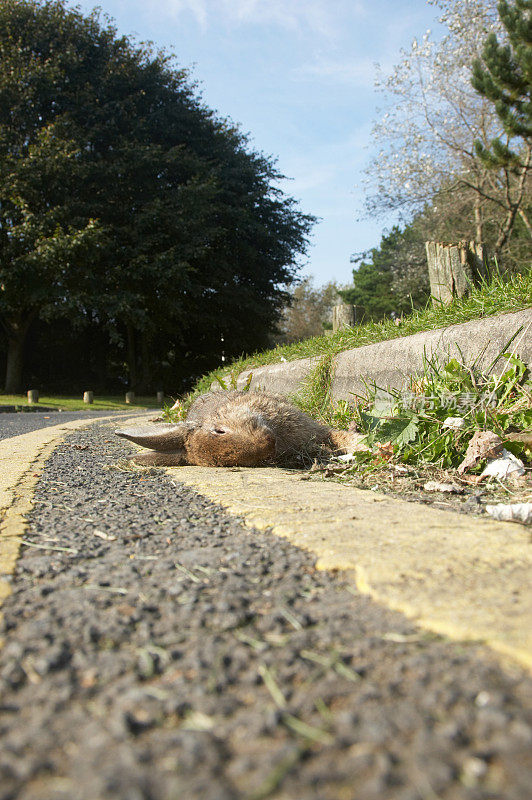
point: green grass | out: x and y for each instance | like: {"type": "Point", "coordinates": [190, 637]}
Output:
{"type": "Point", "coordinates": [411, 425]}
{"type": "Point", "coordinates": [69, 403]}
{"type": "Point", "coordinates": [498, 295]}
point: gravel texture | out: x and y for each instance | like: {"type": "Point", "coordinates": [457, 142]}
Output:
{"type": "Point", "coordinates": [156, 649]}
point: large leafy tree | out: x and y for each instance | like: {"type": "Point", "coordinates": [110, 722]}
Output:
{"type": "Point", "coordinates": [127, 204]}
{"type": "Point", "coordinates": [41, 242]}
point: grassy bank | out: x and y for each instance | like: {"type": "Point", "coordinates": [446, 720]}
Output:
{"type": "Point", "coordinates": [69, 403]}
{"type": "Point", "coordinates": [496, 296]}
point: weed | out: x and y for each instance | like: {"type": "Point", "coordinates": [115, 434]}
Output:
{"type": "Point", "coordinates": [178, 412]}
{"type": "Point", "coordinates": [175, 413]}
{"type": "Point", "coordinates": [314, 397]}
{"type": "Point", "coordinates": [228, 382]}
{"type": "Point", "coordinates": [434, 420]}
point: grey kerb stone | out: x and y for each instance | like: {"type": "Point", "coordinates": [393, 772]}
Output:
{"type": "Point", "coordinates": [390, 364]}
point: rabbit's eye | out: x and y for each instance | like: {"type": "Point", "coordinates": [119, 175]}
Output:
{"type": "Point", "coordinates": [218, 430]}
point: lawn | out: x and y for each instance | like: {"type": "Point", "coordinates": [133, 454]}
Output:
{"type": "Point", "coordinates": [69, 403]}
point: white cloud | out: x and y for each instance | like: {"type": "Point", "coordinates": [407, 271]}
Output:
{"type": "Point", "coordinates": [327, 171]}
{"type": "Point", "coordinates": [198, 8]}
{"type": "Point", "coordinates": [317, 15]}
{"type": "Point", "coordinates": [360, 72]}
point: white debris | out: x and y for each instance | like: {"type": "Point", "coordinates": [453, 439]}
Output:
{"type": "Point", "coordinates": [504, 467]}
{"type": "Point", "coordinates": [511, 512]}
{"type": "Point", "coordinates": [347, 458]}
{"type": "Point", "coordinates": [103, 535]}
{"type": "Point", "coordinates": [435, 486]}
{"type": "Point", "coordinates": [454, 422]}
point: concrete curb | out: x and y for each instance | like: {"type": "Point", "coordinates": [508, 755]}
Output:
{"type": "Point", "coordinates": [22, 460]}
{"type": "Point", "coordinates": [389, 364]}
{"type": "Point", "coordinates": [464, 577]}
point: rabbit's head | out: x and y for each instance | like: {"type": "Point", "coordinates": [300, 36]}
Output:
{"type": "Point", "coordinates": [242, 440]}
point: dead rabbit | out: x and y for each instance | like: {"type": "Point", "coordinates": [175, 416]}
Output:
{"type": "Point", "coordinates": [239, 429]}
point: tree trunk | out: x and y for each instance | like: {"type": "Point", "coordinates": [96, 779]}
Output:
{"type": "Point", "coordinates": [146, 364]}
{"type": "Point", "coordinates": [479, 224]}
{"type": "Point", "coordinates": [344, 316]}
{"type": "Point", "coordinates": [17, 330]}
{"type": "Point", "coordinates": [454, 269]}
{"type": "Point", "coordinates": [131, 356]}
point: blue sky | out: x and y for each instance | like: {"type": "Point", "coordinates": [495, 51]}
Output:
{"type": "Point", "coordinates": [298, 76]}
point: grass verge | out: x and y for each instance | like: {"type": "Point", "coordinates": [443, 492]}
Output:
{"type": "Point", "coordinates": [417, 438]}
{"type": "Point", "coordinates": [68, 403]}
{"type": "Point", "coordinates": [497, 295]}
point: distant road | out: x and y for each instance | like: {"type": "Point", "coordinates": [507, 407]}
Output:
{"type": "Point", "coordinates": [17, 423]}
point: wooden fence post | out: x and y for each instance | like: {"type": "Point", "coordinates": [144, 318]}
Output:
{"type": "Point", "coordinates": [33, 396]}
{"type": "Point", "coordinates": [454, 269]}
{"type": "Point", "coordinates": [130, 397]}
{"type": "Point", "coordinates": [88, 397]}
{"type": "Point", "coordinates": [344, 316]}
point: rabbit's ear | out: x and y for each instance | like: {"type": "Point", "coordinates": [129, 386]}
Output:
{"type": "Point", "coordinates": [164, 437]}
{"type": "Point", "coordinates": [153, 459]}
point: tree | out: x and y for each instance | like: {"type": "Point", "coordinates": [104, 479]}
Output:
{"type": "Point", "coordinates": [127, 204]}
{"type": "Point", "coordinates": [403, 251]}
{"type": "Point", "coordinates": [309, 311]}
{"type": "Point", "coordinates": [395, 277]}
{"type": "Point", "coordinates": [40, 241]}
{"type": "Point", "coordinates": [504, 76]}
{"type": "Point", "coordinates": [427, 136]}
{"type": "Point", "coordinates": [371, 292]}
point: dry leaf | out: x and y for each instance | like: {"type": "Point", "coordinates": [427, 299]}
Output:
{"type": "Point", "coordinates": [483, 444]}
{"type": "Point", "coordinates": [523, 437]}
{"type": "Point", "coordinates": [385, 450]}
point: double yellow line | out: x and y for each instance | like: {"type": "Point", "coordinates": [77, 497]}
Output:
{"type": "Point", "coordinates": [22, 460]}
{"type": "Point", "coordinates": [464, 577]}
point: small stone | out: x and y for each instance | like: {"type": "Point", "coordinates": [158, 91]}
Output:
{"type": "Point", "coordinates": [473, 770]}
{"type": "Point", "coordinates": [482, 699]}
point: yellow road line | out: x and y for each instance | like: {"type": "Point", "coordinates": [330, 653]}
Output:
{"type": "Point", "coordinates": [464, 577]}
{"type": "Point", "coordinates": [22, 460]}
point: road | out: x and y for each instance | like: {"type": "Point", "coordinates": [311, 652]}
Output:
{"type": "Point", "coordinates": [14, 424]}
{"type": "Point", "coordinates": [156, 648]}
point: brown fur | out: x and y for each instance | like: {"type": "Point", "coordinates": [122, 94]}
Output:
{"type": "Point", "coordinates": [239, 429]}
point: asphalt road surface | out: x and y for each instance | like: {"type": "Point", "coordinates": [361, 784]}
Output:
{"type": "Point", "coordinates": [156, 649]}
{"type": "Point", "coordinates": [15, 423]}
